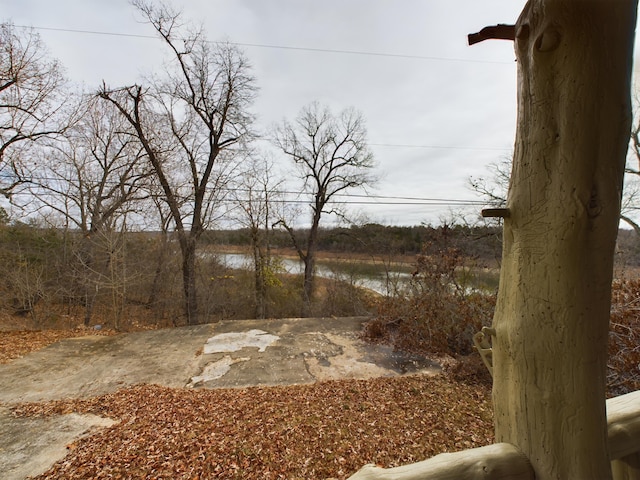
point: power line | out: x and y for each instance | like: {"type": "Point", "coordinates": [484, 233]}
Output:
{"type": "Point", "coordinates": [372, 54]}
{"type": "Point", "coordinates": [427, 146]}
{"type": "Point", "coordinates": [443, 147]}
{"type": "Point", "coordinates": [372, 199]}
{"type": "Point", "coordinates": [423, 199]}
{"type": "Point", "coordinates": [400, 202]}
{"type": "Point", "coordinates": [284, 47]}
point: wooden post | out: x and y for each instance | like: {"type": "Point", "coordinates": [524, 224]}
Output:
{"type": "Point", "coordinates": [552, 315]}
{"type": "Point", "coordinates": [550, 329]}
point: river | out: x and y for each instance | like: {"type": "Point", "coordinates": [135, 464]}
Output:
{"type": "Point", "coordinates": [383, 282]}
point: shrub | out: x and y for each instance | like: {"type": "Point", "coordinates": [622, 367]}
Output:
{"type": "Point", "coordinates": [469, 370]}
{"type": "Point", "coordinates": [623, 374]}
{"type": "Point", "coordinates": [435, 314]}
{"type": "Point", "coordinates": [340, 297]}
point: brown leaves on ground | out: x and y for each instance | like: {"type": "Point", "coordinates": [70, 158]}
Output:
{"type": "Point", "coordinates": [623, 374]}
{"type": "Point", "coordinates": [16, 344]}
{"type": "Point", "coordinates": [328, 429]}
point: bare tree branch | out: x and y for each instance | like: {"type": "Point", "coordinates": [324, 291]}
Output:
{"type": "Point", "coordinates": [332, 156]}
{"type": "Point", "coordinates": [30, 100]}
{"type": "Point", "coordinates": [189, 122]}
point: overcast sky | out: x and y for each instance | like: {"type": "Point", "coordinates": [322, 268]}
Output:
{"type": "Point", "coordinates": [437, 110]}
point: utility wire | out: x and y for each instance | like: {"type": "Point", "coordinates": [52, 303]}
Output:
{"type": "Point", "coordinates": [442, 147]}
{"type": "Point", "coordinates": [423, 203]}
{"type": "Point", "coordinates": [283, 47]}
{"type": "Point", "coordinates": [372, 199]}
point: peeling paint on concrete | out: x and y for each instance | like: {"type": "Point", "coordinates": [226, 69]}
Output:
{"type": "Point", "coordinates": [214, 370]}
{"type": "Point", "coordinates": [234, 341]}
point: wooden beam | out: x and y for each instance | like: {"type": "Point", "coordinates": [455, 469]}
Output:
{"type": "Point", "coordinates": [496, 213]}
{"type": "Point", "coordinates": [499, 461]}
{"type": "Point", "coordinates": [499, 32]}
{"type": "Point", "coordinates": [623, 425]}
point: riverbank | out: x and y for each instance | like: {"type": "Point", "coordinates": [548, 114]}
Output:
{"type": "Point", "coordinates": [322, 255]}
{"type": "Point", "coordinates": [379, 274]}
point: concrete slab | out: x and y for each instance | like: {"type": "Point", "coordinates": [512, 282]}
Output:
{"type": "Point", "coordinates": [234, 353]}
{"type": "Point", "coordinates": [94, 365]}
{"type": "Point", "coordinates": [297, 351]}
{"type": "Point", "coordinates": [30, 446]}
{"type": "Point", "coordinates": [234, 341]}
{"type": "Point", "coordinates": [227, 354]}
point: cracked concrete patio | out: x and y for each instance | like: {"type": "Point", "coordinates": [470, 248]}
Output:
{"type": "Point", "coordinates": [238, 353]}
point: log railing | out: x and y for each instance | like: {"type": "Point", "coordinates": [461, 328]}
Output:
{"type": "Point", "coordinates": [505, 462]}
{"type": "Point", "coordinates": [623, 422]}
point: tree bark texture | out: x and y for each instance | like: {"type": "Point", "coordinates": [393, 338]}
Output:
{"type": "Point", "coordinates": [260, 265]}
{"type": "Point", "coordinates": [188, 247]}
{"type": "Point", "coordinates": [308, 284]}
{"type": "Point", "coordinates": [551, 321]}
{"type": "Point", "coordinates": [309, 259]}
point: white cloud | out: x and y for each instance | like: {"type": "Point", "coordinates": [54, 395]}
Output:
{"type": "Point", "coordinates": [456, 99]}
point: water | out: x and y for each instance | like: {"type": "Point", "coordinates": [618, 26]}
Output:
{"type": "Point", "coordinates": [383, 283]}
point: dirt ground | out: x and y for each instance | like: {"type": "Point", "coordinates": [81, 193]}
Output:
{"type": "Point", "coordinates": [226, 354]}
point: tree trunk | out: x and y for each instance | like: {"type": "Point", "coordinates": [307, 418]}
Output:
{"type": "Point", "coordinates": [551, 320]}
{"type": "Point", "coordinates": [188, 247]}
{"type": "Point", "coordinates": [88, 278]}
{"type": "Point", "coordinates": [310, 267]}
{"type": "Point", "coordinates": [160, 271]}
{"type": "Point", "coordinates": [89, 303]}
{"type": "Point", "coordinates": [308, 285]}
{"type": "Point", "coordinates": [260, 263]}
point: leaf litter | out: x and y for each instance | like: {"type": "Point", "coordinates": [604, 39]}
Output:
{"type": "Point", "coordinates": [16, 344]}
{"type": "Point", "coordinates": [322, 430]}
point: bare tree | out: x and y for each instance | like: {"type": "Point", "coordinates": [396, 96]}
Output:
{"type": "Point", "coordinates": [257, 198]}
{"type": "Point", "coordinates": [163, 249]}
{"type": "Point", "coordinates": [332, 156]}
{"type": "Point", "coordinates": [91, 178]}
{"type": "Point", "coordinates": [630, 201]}
{"type": "Point", "coordinates": [95, 173]}
{"type": "Point", "coordinates": [494, 187]}
{"type": "Point", "coordinates": [188, 125]}
{"type": "Point", "coordinates": [30, 98]}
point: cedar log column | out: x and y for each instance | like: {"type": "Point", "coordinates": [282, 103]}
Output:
{"type": "Point", "coordinates": [552, 315]}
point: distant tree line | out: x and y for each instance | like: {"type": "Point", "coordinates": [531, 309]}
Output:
{"type": "Point", "coordinates": [481, 241]}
